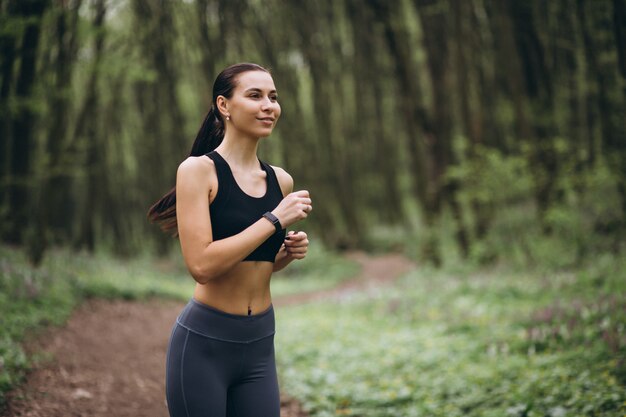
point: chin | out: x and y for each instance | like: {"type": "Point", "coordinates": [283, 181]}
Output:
{"type": "Point", "coordinates": [264, 133]}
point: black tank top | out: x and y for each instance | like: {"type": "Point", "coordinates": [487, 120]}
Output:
{"type": "Point", "coordinates": [232, 210]}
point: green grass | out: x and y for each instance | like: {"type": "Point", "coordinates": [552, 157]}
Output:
{"type": "Point", "coordinates": [33, 298]}
{"type": "Point", "coordinates": [488, 343]}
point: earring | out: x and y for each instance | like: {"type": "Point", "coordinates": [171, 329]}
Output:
{"type": "Point", "coordinates": [227, 117]}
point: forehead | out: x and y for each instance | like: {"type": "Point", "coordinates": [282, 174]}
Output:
{"type": "Point", "coordinates": [255, 79]}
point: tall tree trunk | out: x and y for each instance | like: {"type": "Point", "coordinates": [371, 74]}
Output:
{"type": "Point", "coordinates": [116, 178]}
{"type": "Point", "coordinates": [604, 72]}
{"type": "Point", "coordinates": [540, 90]}
{"type": "Point", "coordinates": [88, 133]}
{"type": "Point", "coordinates": [8, 41]}
{"type": "Point", "coordinates": [417, 121]}
{"type": "Point", "coordinates": [619, 26]}
{"type": "Point", "coordinates": [209, 47]}
{"type": "Point", "coordinates": [164, 147]}
{"type": "Point", "coordinates": [57, 205]}
{"type": "Point", "coordinates": [22, 147]}
{"type": "Point", "coordinates": [335, 178]}
{"type": "Point", "coordinates": [382, 161]}
{"type": "Point", "coordinates": [433, 18]}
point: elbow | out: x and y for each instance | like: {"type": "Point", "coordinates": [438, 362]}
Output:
{"type": "Point", "coordinates": [202, 274]}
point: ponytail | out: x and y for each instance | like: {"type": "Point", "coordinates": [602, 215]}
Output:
{"type": "Point", "coordinates": [210, 135]}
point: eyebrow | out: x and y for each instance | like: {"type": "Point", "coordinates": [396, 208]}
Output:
{"type": "Point", "coordinates": [255, 89]}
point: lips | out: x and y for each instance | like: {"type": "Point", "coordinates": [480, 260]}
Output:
{"type": "Point", "coordinates": [266, 119]}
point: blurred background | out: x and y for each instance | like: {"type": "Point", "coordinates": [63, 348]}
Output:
{"type": "Point", "coordinates": [484, 140]}
{"type": "Point", "coordinates": [492, 124]}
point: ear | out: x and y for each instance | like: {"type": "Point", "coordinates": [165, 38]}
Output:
{"type": "Point", "coordinates": [222, 106]}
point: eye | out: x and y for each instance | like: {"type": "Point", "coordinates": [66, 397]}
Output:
{"type": "Point", "coordinates": [254, 95]}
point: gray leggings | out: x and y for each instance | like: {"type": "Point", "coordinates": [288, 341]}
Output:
{"type": "Point", "coordinates": [221, 364]}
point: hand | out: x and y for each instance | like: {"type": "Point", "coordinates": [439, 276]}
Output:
{"type": "Point", "coordinates": [293, 208]}
{"type": "Point", "coordinates": [296, 244]}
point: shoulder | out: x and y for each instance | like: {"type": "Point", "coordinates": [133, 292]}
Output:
{"type": "Point", "coordinates": [284, 180]}
{"type": "Point", "coordinates": [196, 165]}
{"type": "Point", "coordinates": [196, 170]}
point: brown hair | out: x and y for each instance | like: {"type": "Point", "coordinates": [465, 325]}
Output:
{"type": "Point", "coordinates": [210, 135]}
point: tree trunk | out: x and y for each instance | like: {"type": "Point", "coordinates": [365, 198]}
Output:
{"type": "Point", "coordinates": [540, 90]}
{"type": "Point", "coordinates": [57, 205]}
{"type": "Point", "coordinates": [380, 165]}
{"type": "Point", "coordinates": [417, 121]}
{"type": "Point", "coordinates": [22, 148]}
{"type": "Point", "coordinates": [88, 132]}
{"type": "Point", "coordinates": [7, 64]}
{"type": "Point", "coordinates": [164, 146]}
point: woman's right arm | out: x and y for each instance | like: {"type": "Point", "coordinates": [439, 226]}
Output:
{"type": "Point", "coordinates": [207, 259]}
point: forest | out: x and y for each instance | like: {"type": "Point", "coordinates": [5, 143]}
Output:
{"type": "Point", "coordinates": [460, 133]}
{"type": "Point", "coordinates": [491, 123]}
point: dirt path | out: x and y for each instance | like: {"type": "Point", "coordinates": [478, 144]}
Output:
{"type": "Point", "coordinates": [109, 359]}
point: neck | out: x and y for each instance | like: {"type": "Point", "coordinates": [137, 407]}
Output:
{"type": "Point", "coordinates": [239, 150]}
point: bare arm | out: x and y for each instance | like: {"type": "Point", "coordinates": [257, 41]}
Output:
{"type": "Point", "coordinates": [296, 243]}
{"type": "Point", "coordinates": [207, 259]}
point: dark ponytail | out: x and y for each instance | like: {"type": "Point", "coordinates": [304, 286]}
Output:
{"type": "Point", "coordinates": [210, 135]}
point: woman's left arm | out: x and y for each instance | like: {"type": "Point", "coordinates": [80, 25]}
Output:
{"type": "Point", "coordinates": [295, 247]}
{"type": "Point", "coordinates": [296, 243]}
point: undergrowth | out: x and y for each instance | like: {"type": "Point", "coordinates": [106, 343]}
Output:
{"type": "Point", "coordinates": [33, 298]}
{"type": "Point", "coordinates": [453, 342]}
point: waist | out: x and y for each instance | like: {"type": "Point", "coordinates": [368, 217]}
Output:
{"type": "Point", "coordinates": [217, 324]}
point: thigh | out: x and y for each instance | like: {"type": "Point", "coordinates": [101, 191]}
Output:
{"type": "Point", "coordinates": [197, 375]}
{"type": "Point", "coordinates": [257, 392]}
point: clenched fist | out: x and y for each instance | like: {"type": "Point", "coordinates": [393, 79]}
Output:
{"type": "Point", "coordinates": [296, 244]}
{"type": "Point", "coordinates": [294, 207]}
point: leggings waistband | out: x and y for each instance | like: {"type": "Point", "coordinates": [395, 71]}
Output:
{"type": "Point", "coordinates": [217, 324]}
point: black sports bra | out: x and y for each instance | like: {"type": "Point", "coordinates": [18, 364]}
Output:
{"type": "Point", "coordinates": [233, 210]}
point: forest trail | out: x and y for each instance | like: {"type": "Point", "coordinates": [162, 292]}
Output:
{"type": "Point", "coordinates": [109, 359]}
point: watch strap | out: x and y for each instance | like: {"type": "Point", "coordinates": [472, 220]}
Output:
{"type": "Point", "coordinates": [274, 220]}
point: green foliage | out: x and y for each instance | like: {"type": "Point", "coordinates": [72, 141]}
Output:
{"type": "Point", "coordinates": [321, 270]}
{"type": "Point", "coordinates": [583, 218]}
{"type": "Point", "coordinates": [492, 177]}
{"type": "Point", "coordinates": [29, 298]}
{"type": "Point", "coordinates": [447, 344]}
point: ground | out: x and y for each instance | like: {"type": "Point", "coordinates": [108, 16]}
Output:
{"type": "Point", "coordinates": [109, 359]}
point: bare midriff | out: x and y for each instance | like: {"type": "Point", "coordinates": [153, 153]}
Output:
{"type": "Point", "coordinates": [244, 290]}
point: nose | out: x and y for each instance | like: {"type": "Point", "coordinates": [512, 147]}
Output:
{"type": "Point", "coordinates": [267, 104]}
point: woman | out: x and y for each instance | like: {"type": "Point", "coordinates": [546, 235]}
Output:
{"type": "Point", "coordinates": [231, 212]}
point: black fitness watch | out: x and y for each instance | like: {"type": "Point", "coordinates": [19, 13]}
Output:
{"type": "Point", "coordinates": [274, 220]}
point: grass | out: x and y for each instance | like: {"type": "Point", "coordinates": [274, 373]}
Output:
{"type": "Point", "coordinates": [453, 343]}
{"type": "Point", "coordinates": [33, 298]}
{"type": "Point", "coordinates": [450, 342]}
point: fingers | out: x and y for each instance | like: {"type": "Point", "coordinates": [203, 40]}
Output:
{"type": "Point", "coordinates": [294, 236]}
{"type": "Point", "coordinates": [304, 200]}
{"type": "Point", "coordinates": [294, 207]}
{"type": "Point", "coordinates": [296, 244]}
{"type": "Point", "coordinates": [305, 208]}
{"type": "Point", "coordinates": [297, 253]}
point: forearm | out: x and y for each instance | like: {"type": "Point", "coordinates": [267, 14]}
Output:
{"type": "Point", "coordinates": [220, 256]}
{"type": "Point", "coordinates": [282, 259]}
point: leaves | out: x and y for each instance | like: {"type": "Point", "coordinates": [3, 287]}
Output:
{"type": "Point", "coordinates": [448, 345]}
